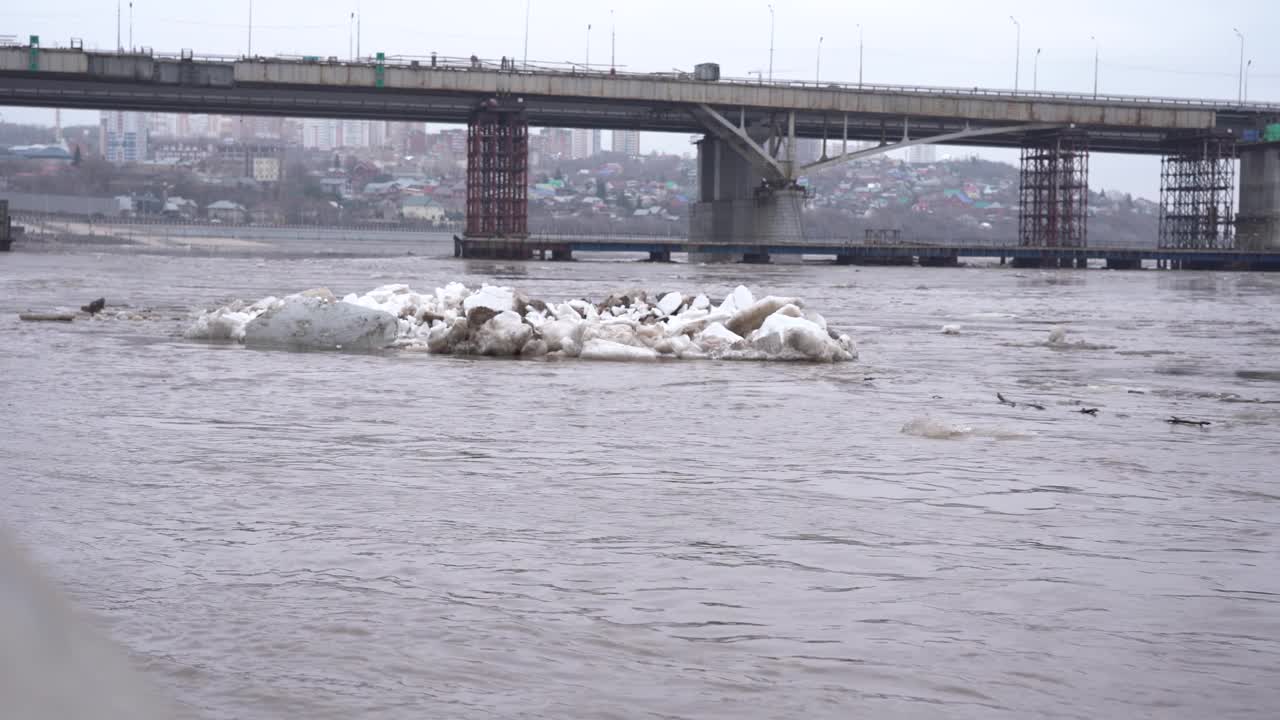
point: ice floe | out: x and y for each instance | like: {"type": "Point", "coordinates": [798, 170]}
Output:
{"type": "Point", "coordinates": [499, 321]}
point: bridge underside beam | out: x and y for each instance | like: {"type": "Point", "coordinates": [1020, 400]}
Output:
{"type": "Point", "coordinates": [1197, 192]}
{"type": "Point", "coordinates": [1053, 196]}
{"type": "Point", "coordinates": [498, 171]}
{"type": "Point", "coordinates": [741, 142]}
{"type": "Point", "coordinates": [941, 139]}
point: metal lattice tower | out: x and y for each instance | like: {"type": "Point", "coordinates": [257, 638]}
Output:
{"type": "Point", "coordinates": [1054, 192]}
{"type": "Point", "coordinates": [1197, 192]}
{"type": "Point", "coordinates": [498, 170]}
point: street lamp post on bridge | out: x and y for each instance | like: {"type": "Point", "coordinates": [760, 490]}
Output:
{"type": "Point", "coordinates": [1035, 72]}
{"type": "Point", "coordinates": [860, 46]}
{"type": "Point", "coordinates": [817, 73]}
{"type": "Point", "coordinates": [1240, 82]}
{"type": "Point", "coordinates": [772, 25]}
{"type": "Point", "coordinates": [1017, 53]}
{"type": "Point", "coordinates": [1096, 56]}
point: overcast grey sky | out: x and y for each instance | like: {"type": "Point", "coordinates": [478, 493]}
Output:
{"type": "Point", "coordinates": [1183, 48]}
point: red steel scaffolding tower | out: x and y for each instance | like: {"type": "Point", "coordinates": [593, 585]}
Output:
{"type": "Point", "coordinates": [1054, 194]}
{"type": "Point", "coordinates": [498, 170]}
{"type": "Point", "coordinates": [1197, 192]}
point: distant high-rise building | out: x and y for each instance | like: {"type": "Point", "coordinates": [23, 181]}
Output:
{"type": "Point", "coordinates": [162, 125]}
{"type": "Point", "coordinates": [626, 142]}
{"type": "Point", "coordinates": [320, 134]}
{"type": "Point", "coordinates": [586, 143]}
{"type": "Point", "coordinates": [922, 154]}
{"type": "Point", "coordinates": [557, 143]}
{"type": "Point", "coordinates": [123, 136]}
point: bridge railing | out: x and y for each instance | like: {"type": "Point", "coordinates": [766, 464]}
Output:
{"type": "Point", "coordinates": [516, 66]}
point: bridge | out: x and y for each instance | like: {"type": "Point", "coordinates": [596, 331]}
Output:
{"type": "Point", "coordinates": [748, 166]}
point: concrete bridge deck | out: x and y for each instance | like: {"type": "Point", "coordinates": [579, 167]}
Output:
{"type": "Point", "coordinates": [662, 249]}
{"type": "Point", "coordinates": [448, 89]}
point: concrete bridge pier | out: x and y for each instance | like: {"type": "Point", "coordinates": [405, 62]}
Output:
{"type": "Point", "coordinates": [1258, 224]}
{"type": "Point", "coordinates": [737, 207]}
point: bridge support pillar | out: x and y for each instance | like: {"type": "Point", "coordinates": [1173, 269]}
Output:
{"type": "Point", "coordinates": [498, 174]}
{"type": "Point", "coordinates": [736, 208]}
{"type": "Point", "coordinates": [1197, 188]}
{"type": "Point", "coordinates": [1053, 198]}
{"type": "Point", "coordinates": [1258, 225]}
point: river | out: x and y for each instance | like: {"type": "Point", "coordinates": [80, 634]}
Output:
{"type": "Point", "coordinates": [323, 535]}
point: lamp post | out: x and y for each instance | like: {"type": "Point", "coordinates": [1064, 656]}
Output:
{"type": "Point", "coordinates": [1247, 67]}
{"type": "Point", "coordinates": [860, 55]}
{"type": "Point", "coordinates": [817, 73]}
{"type": "Point", "coordinates": [613, 43]}
{"type": "Point", "coordinates": [351, 37]}
{"type": "Point", "coordinates": [130, 27]}
{"type": "Point", "coordinates": [1035, 72]}
{"type": "Point", "coordinates": [1017, 53]}
{"type": "Point", "coordinates": [1240, 88]}
{"type": "Point", "coordinates": [772, 25]}
{"type": "Point", "coordinates": [1096, 55]}
{"type": "Point", "coordinates": [250, 45]}
{"type": "Point", "coordinates": [588, 64]}
{"type": "Point", "coordinates": [527, 5]}
{"type": "Point", "coordinates": [119, 47]}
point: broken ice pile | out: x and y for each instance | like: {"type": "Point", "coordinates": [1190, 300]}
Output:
{"type": "Point", "coordinates": [499, 321]}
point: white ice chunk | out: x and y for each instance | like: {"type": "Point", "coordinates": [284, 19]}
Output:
{"type": "Point", "coordinates": [784, 337]}
{"type": "Point", "coordinates": [452, 295]}
{"type": "Point", "coordinates": [307, 323]}
{"type": "Point", "coordinates": [504, 334]}
{"type": "Point", "coordinates": [556, 332]}
{"type": "Point", "coordinates": [716, 335]}
{"type": "Point", "coordinates": [535, 318]}
{"type": "Point", "coordinates": [749, 317]}
{"type": "Point", "coordinates": [670, 303]}
{"type": "Point", "coordinates": [566, 311]}
{"type": "Point", "coordinates": [497, 299]}
{"type": "Point", "coordinates": [600, 349]}
{"type": "Point", "coordinates": [228, 323]}
{"type": "Point", "coordinates": [951, 329]}
{"type": "Point", "coordinates": [702, 302]}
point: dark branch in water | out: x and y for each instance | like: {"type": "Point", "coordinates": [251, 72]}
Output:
{"type": "Point", "coordinates": [1175, 420]}
{"type": "Point", "coordinates": [1005, 401]}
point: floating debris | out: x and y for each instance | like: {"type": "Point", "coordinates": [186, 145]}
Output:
{"type": "Point", "coordinates": [1006, 401]}
{"type": "Point", "coordinates": [46, 317]}
{"type": "Point", "coordinates": [1175, 420]}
